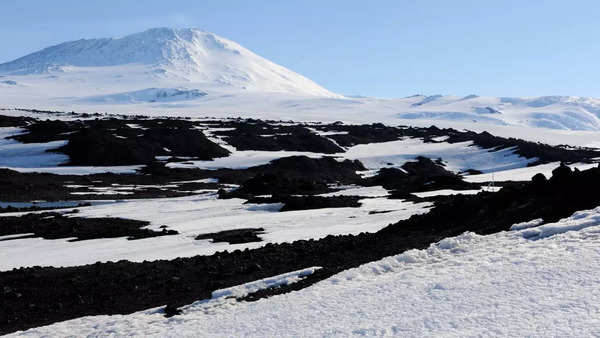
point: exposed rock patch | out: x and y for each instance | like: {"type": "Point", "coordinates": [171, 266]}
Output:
{"type": "Point", "coordinates": [123, 141]}
{"type": "Point", "coordinates": [259, 135]}
{"type": "Point", "coordinates": [420, 175]}
{"type": "Point", "coordinates": [53, 225]}
{"type": "Point", "coordinates": [236, 236]}
{"type": "Point", "coordinates": [299, 175]}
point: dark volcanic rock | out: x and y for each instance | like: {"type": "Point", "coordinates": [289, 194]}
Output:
{"type": "Point", "coordinates": [14, 121]}
{"type": "Point", "coordinates": [361, 134]}
{"type": "Point", "coordinates": [24, 187]}
{"type": "Point", "coordinates": [237, 236]}
{"type": "Point", "coordinates": [421, 175]}
{"type": "Point", "coordinates": [171, 311]}
{"type": "Point", "coordinates": [96, 147]}
{"type": "Point", "coordinates": [40, 131]}
{"type": "Point", "coordinates": [259, 135]}
{"type": "Point", "coordinates": [52, 225]}
{"type": "Point", "coordinates": [118, 142]}
{"type": "Point", "coordinates": [300, 175]}
{"type": "Point", "coordinates": [92, 146]}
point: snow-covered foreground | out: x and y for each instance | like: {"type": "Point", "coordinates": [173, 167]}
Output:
{"type": "Point", "coordinates": [541, 281]}
{"type": "Point", "coordinates": [199, 214]}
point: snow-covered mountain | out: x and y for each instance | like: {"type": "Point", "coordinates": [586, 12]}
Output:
{"type": "Point", "coordinates": [188, 72]}
{"type": "Point", "coordinates": [160, 57]}
{"type": "Point", "coordinates": [553, 112]}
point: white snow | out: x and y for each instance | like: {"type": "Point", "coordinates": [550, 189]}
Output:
{"type": "Point", "coordinates": [150, 95]}
{"type": "Point", "coordinates": [456, 156]}
{"type": "Point", "coordinates": [198, 214]}
{"type": "Point", "coordinates": [374, 191]}
{"type": "Point", "coordinates": [261, 284]}
{"type": "Point", "coordinates": [505, 284]}
{"type": "Point", "coordinates": [526, 225]}
{"type": "Point", "coordinates": [446, 192]}
{"type": "Point", "coordinates": [523, 174]}
{"type": "Point", "coordinates": [115, 69]}
{"type": "Point", "coordinates": [14, 153]}
{"type": "Point", "coordinates": [241, 159]}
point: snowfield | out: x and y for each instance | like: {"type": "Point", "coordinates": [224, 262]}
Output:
{"type": "Point", "coordinates": [14, 153]}
{"type": "Point", "coordinates": [457, 157]}
{"type": "Point", "coordinates": [199, 214]}
{"type": "Point", "coordinates": [540, 281]}
{"type": "Point", "coordinates": [523, 174]}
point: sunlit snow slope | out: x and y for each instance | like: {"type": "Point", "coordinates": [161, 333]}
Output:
{"type": "Point", "coordinates": [530, 281]}
{"type": "Point", "coordinates": [159, 64]}
{"type": "Point", "coordinates": [189, 72]}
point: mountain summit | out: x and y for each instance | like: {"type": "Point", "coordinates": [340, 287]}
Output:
{"type": "Point", "coordinates": [188, 57]}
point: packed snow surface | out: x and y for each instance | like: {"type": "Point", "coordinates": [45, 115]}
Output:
{"type": "Point", "coordinates": [537, 281]}
{"type": "Point", "coordinates": [200, 214]}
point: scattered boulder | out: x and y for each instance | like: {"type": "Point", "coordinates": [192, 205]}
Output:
{"type": "Point", "coordinates": [420, 175]}
{"type": "Point", "coordinates": [235, 236]}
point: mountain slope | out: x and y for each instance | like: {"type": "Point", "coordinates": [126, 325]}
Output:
{"type": "Point", "coordinates": [176, 57]}
{"type": "Point", "coordinates": [188, 72]}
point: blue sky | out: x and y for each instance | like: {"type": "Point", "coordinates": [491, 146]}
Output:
{"type": "Point", "coordinates": [374, 48]}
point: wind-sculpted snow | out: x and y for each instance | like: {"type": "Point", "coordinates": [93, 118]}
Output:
{"type": "Point", "coordinates": [505, 284]}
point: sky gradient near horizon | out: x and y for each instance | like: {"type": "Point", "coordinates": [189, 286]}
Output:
{"type": "Point", "coordinates": [380, 48]}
